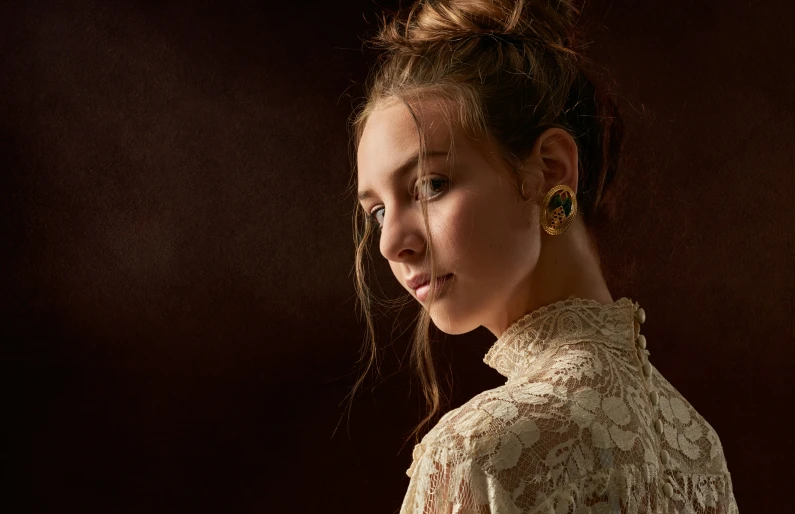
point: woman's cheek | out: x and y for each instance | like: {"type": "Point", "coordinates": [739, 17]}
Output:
{"type": "Point", "coordinates": [458, 226]}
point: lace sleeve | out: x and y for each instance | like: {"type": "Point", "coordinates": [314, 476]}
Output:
{"type": "Point", "coordinates": [447, 481]}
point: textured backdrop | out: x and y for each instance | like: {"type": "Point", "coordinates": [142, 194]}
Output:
{"type": "Point", "coordinates": [178, 319]}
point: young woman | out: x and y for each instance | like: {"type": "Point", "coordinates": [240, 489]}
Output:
{"type": "Point", "coordinates": [485, 153]}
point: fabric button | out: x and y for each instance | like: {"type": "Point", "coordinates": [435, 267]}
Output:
{"type": "Point", "coordinates": [647, 369]}
{"type": "Point", "coordinates": [668, 490]}
{"type": "Point", "coordinates": [655, 397]}
{"type": "Point", "coordinates": [664, 457]}
{"type": "Point", "coordinates": [642, 341]}
{"type": "Point", "coordinates": [658, 427]}
{"type": "Point", "coordinates": [640, 315]}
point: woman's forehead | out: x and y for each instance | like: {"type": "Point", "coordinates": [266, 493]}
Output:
{"type": "Point", "coordinates": [390, 133]}
{"type": "Point", "coordinates": [394, 125]}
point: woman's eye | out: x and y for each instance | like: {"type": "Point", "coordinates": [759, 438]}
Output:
{"type": "Point", "coordinates": [433, 184]}
{"type": "Point", "coordinates": [374, 218]}
{"type": "Point", "coordinates": [433, 181]}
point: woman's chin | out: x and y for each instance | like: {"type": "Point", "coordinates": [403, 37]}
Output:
{"type": "Point", "coordinates": [450, 326]}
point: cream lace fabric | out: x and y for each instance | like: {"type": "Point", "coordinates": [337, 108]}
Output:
{"type": "Point", "coordinates": [584, 424]}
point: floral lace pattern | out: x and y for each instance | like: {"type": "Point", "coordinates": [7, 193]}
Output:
{"type": "Point", "coordinates": [584, 424]}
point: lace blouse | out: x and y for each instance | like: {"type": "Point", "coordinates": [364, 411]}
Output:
{"type": "Point", "coordinates": [584, 424]}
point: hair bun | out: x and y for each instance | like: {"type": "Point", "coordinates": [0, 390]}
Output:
{"type": "Point", "coordinates": [434, 21]}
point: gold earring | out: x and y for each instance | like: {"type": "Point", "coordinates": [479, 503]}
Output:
{"type": "Point", "coordinates": [558, 209]}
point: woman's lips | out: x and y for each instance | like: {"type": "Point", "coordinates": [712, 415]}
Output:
{"type": "Point", "coordinates": [423, 290]}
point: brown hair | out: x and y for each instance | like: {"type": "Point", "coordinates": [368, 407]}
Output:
{"type": "Point", "coordinates": [506, 71]}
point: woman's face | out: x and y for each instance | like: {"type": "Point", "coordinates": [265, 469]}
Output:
{"type": "Point", "coordinates": [481, 226]}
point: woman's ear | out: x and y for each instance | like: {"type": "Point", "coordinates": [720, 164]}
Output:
{"type": "Point", "coordinates": [555, 155]}
{"type": "Point", "coordinates": [531, 176]}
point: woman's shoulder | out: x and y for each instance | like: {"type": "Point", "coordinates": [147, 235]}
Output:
{"type": "Point", "coordinates": [538, 417]}
{"type": "Point", "coordinates": [509, 412]}
{"type": "Point", "coordinates": [684, 431]}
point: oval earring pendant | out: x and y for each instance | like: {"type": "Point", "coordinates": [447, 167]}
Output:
{"type": "Point", "coordinates": [559, 211]}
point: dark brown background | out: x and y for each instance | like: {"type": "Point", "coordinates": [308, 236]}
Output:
{"type": "Point", "coordinates": [179, 327]}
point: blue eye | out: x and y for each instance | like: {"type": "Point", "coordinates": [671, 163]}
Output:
{"type": "Point", "coordinates": [373, 215]}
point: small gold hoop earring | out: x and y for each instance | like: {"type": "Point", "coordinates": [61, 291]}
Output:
{"type": "Point", "coordinates": [558, 209]}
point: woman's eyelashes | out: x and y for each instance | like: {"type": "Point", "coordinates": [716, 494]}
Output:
{"type": "Point", "coordinates": [432, 182]}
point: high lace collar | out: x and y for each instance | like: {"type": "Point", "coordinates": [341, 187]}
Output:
{"type": "Point", "coordinates": [567, 321]}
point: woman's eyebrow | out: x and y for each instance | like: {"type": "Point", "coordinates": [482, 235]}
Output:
{"type": "Point", "coordinates": [407, 166]}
